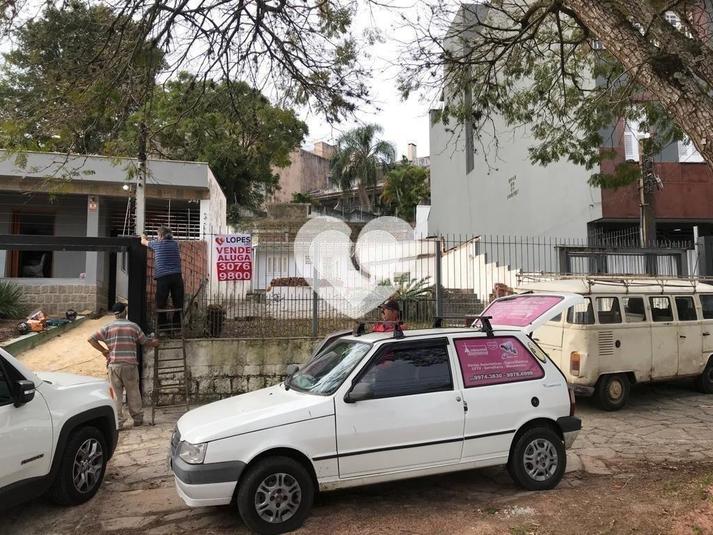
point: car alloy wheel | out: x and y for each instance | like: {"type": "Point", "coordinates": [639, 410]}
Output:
{"type": "Point", "coordinates": [540, 459]}
{"type": "Point", "coordinates": [87, 467]}
{"type": "Point", "coordinates": [277, 498]}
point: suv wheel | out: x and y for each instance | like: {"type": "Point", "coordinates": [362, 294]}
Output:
{"type": "Point", "coordinates": [705, 381]}
{"type": "Point", "coordinates": [275, 496]}
{"type": "Point", "coordinates": [81, 468]}
{"type": "Point", "coordinates": [538, 459]}
{"type": "Point", "coordinates": [612, 391]}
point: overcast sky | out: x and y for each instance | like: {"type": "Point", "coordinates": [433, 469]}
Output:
{"type": "Point", "coordinates": [404, 122]}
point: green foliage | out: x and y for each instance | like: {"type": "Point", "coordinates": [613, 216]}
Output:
{"type": "Point", "coordinates": [360, 158]}
{"type": "Point", "coordinates": [300, 197]}
{"type": "Point", "coordinates": [11, 306]}
{"type": "Point", "coordinates": [413, 289]}
{"type": "Point", "coordinates": [232, 126]}
{"type": "Point", "coordinates": [537, 66]}
{"type": "Point", "coordinates": [70, 81]}
{"type": "Point", "coordinates": [405, 187]}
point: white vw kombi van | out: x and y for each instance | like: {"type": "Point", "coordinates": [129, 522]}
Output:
{"type": "Point", "coordinates": [627, 331]}
{"type": "Point", "coordinates": [370, 408]}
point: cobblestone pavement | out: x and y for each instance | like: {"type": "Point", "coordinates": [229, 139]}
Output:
{"type": "Point", "coordinates": [663, 424]}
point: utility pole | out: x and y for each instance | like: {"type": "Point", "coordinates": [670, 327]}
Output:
{"type": "Point", "coordinates": [141, 181]}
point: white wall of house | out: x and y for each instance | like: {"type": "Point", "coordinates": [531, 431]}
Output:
{"type": "Point", "coordinates": [504, 193]}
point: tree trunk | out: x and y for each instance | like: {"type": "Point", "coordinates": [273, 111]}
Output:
{"type": "Point", "coordinates": [686, 99]}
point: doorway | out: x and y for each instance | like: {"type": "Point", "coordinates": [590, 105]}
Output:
{"type": "Point", "coordinates": [31, 264]}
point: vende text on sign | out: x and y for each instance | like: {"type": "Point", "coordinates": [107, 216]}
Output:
{"type": "Point", "coordinates": [233, 254]}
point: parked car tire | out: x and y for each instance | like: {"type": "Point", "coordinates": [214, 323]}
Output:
{"type": "Point", "coordinates": [81, 468]}
{"type": "Point", "coordinates": [705, 380]}
{"type": "Point", "coordinates": [538, 459]}
{"type": "Point", "coordinates": [275, 495]}
{"type": "Point", "coordinates": [612, 391]}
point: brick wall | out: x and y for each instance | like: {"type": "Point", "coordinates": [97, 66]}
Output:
{"type": "Point", "coordinates": [194, 264]}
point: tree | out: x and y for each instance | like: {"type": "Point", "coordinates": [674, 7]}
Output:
{"type": "Point", "coordinates": [71, 80]}
{"type": "Point", "coordinates": [360, 157]}
{"type": "Point", "coordinates": [570, 69]}
{"type": "Point", "coordinates": [404, 188]}
{"type": "Point", "coordinates": [197, 122]}
{"type": "Point", "coordinates": [304, 52]}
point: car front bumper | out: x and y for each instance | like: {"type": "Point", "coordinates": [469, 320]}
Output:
{"type": "Point", "coordinates": [203, 484]}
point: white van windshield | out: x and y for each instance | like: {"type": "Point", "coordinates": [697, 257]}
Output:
{"type": "Point", "coordinates": [326, 371]}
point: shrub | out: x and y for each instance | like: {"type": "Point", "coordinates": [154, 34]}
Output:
{"type": "Point", "coordinates": [11, 306]}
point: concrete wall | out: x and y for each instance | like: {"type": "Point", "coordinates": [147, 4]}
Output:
{"type": "Point", "coordinates": [505, 194]}
{"type": "Point", "coordinates": [307, 172]}
{"type": "Point", "coordinates": [226, 367]}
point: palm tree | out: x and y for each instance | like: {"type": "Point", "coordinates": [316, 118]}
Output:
{"type": "Point", "coordinates": [359, 157]}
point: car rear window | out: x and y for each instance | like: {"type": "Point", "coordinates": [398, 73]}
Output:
{"type": "Point", "coordinates": [498, 360]}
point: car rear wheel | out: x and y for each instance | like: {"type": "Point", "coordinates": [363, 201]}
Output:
{"type": "Point", "coordinates": [538, 459]}
{"type": "Point", "coordinates": [612, 391]}
{"type": "Point", "coordinates": [705, 381]}
{"type": "Point", "coordinates": [275, 496]}
{"type": "Point", "coordinates": [82, 467]}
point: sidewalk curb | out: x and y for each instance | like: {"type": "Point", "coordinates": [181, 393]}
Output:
{"type": "Point", "coordinates": [32, 340]}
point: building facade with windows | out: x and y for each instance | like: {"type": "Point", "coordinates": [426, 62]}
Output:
{"type": "Point", "coordinates": [488, 185]}
{"type": "Point", "coordinates": [66, 195]}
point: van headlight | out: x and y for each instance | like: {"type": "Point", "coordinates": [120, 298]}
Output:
{"type": "Point", "coordinates": [192, 453]}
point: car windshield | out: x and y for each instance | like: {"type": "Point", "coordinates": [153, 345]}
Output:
{"type": "Point", "coordinates": [326, 371]}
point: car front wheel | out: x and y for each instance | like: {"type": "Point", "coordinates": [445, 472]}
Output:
{"type": "Point", "coordinates": [275, 495]}
{"type": "Point", "coordinates": [82, 467]}
{"type": "Point", "coordinates": [538, 459]}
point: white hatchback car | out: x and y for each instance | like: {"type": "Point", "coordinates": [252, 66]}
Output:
{"type": "Point", "coordinates": [382, 407]}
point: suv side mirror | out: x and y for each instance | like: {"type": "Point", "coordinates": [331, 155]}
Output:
{"type": "Point", "coordinates": [24, 392]}
{"type": "Point", "coordinates": [358, 392]}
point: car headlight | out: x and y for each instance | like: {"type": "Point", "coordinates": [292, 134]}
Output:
{"type": "Point", "coordinates": [192, 453]}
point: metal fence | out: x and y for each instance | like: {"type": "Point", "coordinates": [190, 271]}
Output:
{"type": "Point", "coordinates": [446, 276]}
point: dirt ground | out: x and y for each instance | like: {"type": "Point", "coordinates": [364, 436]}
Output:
{"type": "Point", "coordinates": [69, 352]}
{"type": "Point", "coordinates": [8, 329]}
{"type": "Point", "coordinates": [644, 499]}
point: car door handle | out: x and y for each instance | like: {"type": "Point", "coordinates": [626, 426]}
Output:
{"type": "Point", "coordinates": [682, 336]}
{"type": "Point", "coordinates": [706, 334]}
{"type": "Point", "coordinates": [551, 385]}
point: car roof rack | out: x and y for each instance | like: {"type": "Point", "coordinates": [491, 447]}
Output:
{"type": "Point", "coordinates": [486, 326]}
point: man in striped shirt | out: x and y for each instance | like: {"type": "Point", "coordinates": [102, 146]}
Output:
{"type": "Point", "coordinates": [167, 273]}
{"type": "Point", "coordinates": [120, 338]}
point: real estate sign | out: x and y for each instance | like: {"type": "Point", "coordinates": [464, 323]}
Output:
{"type": "Point", "coordinates": [233, 257]}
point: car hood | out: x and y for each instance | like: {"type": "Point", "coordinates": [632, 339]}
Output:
{"type": "Point", "coordinates": [66, 380]}
{"type": "Point", "coordinates": [246, 413]}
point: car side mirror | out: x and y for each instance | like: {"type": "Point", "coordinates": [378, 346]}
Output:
{"type": "Point", "coordinates": [359, 392]}
{"type": "Point", "coordinates": [291, 369]}
{"type": "Point", "coordinates": [24, 392]}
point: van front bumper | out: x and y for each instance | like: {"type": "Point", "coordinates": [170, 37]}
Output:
{"type": "Point", "coordinates": [206, 484]}
{"type": "Point", "coordinates": [570, 426]}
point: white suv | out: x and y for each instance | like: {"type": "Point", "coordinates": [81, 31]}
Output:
{"type": "Point", "coordinates": [381, 407]}
{"type": "Point", "coordinates": [57, 433]}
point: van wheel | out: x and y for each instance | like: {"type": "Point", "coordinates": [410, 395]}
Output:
{"type": "Point", "coordinates": [705, 381]}
{"type": "Point", "coordinates": [275, 496]}
{"type": "Point", "coordinates": [612, 391]}
{"type": "Point", "coordinates": [538, 459]}
{"type": "Point", "coordinates": [81, 468]}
